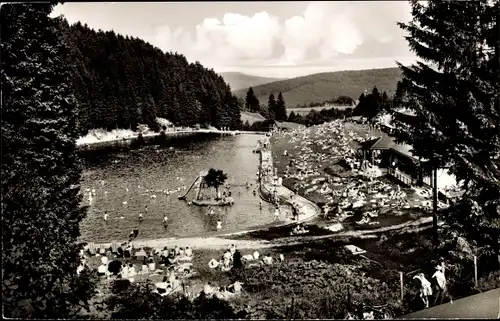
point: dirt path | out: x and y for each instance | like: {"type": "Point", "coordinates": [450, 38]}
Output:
{"type": "Point", "coordinates": [307, 209]}
{"type": "Point", "coordinates": [216, 243]}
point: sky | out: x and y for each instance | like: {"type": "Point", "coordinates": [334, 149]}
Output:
{"type": "Point", "coordinates": [270, 39]}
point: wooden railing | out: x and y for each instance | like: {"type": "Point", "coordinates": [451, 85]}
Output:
{"type": "Point", "coordinates": [404, 178]}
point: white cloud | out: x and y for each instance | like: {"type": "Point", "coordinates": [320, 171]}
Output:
{"type": "Point", "coordinates": [324, 33]}
{"type": "Point", "coordinates": [237, 37]}
{"type": "Point", "coordinates": [326, 29]}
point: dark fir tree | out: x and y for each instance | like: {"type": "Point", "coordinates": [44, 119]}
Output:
{"type": "Point", "coordinates": [252, 104]}
{"type": "Point", "coordinates": [271, 106]}
{"type": "Point", "coordinates": [370, 105]}
{"type": "Point", "coordinates": [280, 108]}
{"type": "Point", "coordinates": [453, 95]}
{"type": "Point", "coordinates": [385, 102]}
{"type": "Point", "coordinates": [41, 198]}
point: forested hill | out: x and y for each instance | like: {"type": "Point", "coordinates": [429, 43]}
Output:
{"type": "Point", "coordinates": [318, 88]}
{"type": "Point", "coordinates": [123, 81]}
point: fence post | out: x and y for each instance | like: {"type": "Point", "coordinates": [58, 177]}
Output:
{"type": "Point", "coordinates": [475, 270]}
{"type": "Point", "coordinates": [401, 282]}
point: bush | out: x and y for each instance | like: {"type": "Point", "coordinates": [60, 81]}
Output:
{"type": "Point", "coordinates": [137, 301]}
{"type": "Point", "coordinates": [319, 289]}
{"type": "Point", "coordinates": [138, 142]}
{"type": "Point", "coordinates": [489, 282]}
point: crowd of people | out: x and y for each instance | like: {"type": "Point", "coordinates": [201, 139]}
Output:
{"type": "Point", "coordinates": [123, 262]}
{"type": "Point", "coordinates": [233, 259]}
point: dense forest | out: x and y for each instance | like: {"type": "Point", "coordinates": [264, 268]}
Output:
{"type": "Point", "coordinates": [124, 81]}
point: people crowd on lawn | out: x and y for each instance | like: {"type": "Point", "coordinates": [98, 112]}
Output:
{"type": "Point", "coordinates": [121, 262]}
{"type": "Point", "coordinates": [233, 259]}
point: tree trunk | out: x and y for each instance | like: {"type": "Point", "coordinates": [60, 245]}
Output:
{"type": "Point", "coordinates": [434, 204]}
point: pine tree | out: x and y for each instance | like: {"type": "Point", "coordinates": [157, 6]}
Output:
{"type": "Point", "coordinates": [41, 172]}
{"type": "Point", "coordinates": [453, 96]}
{"type": "Point", "coordinates": [281, 114]}
{"type": "Point", "coordinates": [252, 104]}
{"type": "Point", "coordinates": [271, 106]}
{"type": "Point", "coordinates": [385, 102]}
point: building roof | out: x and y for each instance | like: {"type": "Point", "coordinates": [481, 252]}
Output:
{"type": "Point", "coordinates": [384, 142]}
{"type": "Point", "coordinates": [369, 143]}
{"type": "Point", "coordinates": [251, 117]}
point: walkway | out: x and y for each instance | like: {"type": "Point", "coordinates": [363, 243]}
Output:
{"type": "Point", "coordinates": [308, 209]}
{"type": "Point", "coordinates": [484, 305]}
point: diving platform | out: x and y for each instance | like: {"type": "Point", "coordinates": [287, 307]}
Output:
{"type": "Point", "coordinates": [199, 184]}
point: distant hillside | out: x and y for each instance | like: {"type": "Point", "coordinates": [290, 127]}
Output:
{"type": "Point", "coordinates": [238, 80]}
{"type": "Point", "coordinates": [325, 86]}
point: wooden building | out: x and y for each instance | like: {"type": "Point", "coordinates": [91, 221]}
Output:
{"type": "Point", "coordinates": [396, 158]}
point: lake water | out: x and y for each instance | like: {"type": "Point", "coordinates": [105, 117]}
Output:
{"type": "Point", "coordinates": [156, 168]}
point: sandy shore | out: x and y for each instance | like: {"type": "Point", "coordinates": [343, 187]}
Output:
{"type": "Point", "coordinates": [90, 140]}
{"type": "Point", "coordinates": [215, 243]}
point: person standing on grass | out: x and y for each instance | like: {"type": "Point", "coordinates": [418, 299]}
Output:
{"type": "Point", "coordinates": [441, 285]}
{"type": "Point", "coordinates": [425, 288]}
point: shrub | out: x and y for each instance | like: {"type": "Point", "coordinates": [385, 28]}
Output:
{"type": "Point", "coordinates": [319, 289]}
{"type": "Point", "coordinates": [137, 301]}
{"type": "Point", "coordinates": [138, 142]}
